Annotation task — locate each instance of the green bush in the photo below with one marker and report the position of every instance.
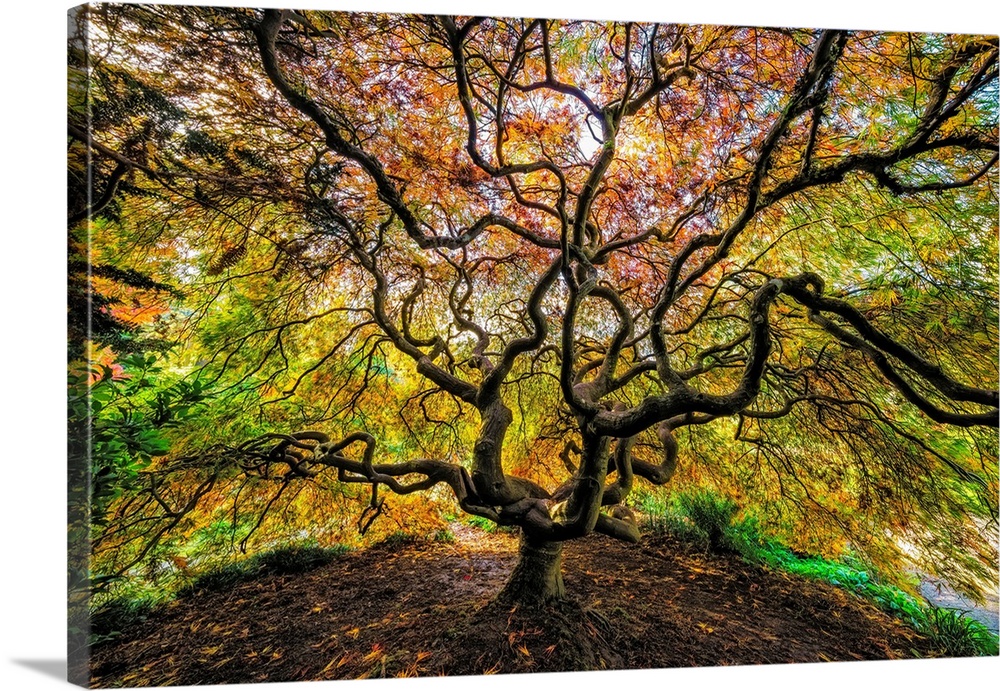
(709, 520)
(397, 539)
(114, 616)
(281, 561)
(294, 560)
(482, 523)
(443, 535)
(656, 517)
(220, 579)
(957, 635)
(711, 514)
(489, 526)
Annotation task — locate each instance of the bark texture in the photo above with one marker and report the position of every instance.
(537, 577)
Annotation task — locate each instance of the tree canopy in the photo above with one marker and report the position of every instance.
(529, 266)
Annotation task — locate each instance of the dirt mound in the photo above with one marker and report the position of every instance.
(424, 609)
(561, 637)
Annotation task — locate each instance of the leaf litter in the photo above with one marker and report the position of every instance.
(408, 610)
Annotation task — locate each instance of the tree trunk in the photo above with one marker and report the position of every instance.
(537, 577)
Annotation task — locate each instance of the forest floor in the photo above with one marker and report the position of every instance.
(423, 608)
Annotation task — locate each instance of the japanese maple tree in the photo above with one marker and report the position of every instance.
(529, 260)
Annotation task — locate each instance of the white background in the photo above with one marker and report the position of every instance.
(32, 333)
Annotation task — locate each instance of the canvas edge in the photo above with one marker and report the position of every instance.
(78, 477)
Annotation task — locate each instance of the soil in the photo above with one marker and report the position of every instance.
(425, 608)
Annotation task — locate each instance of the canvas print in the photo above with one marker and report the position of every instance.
(407, 345)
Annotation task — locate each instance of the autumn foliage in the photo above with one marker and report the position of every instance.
(529, 270)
